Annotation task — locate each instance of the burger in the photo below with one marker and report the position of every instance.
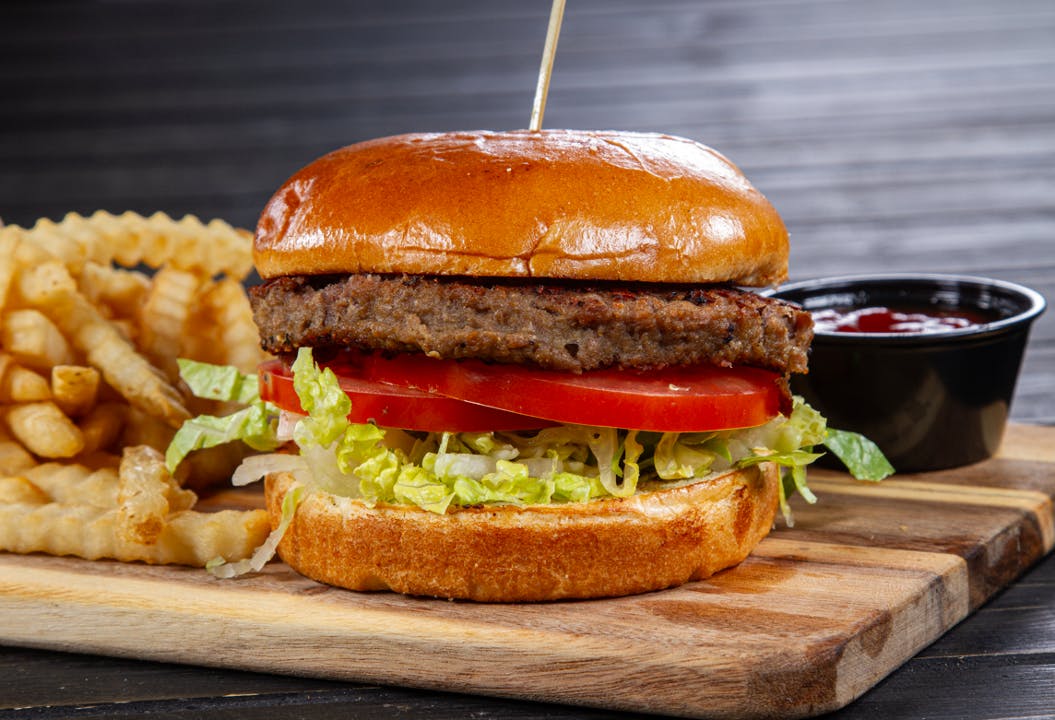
(519, 366)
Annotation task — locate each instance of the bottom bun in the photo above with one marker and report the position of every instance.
(507, 553)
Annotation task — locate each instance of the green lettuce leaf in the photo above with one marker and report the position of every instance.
(219, 382)
(358, 444)
(862, 457)
(377, 476)
(322, 399)
(255, 425)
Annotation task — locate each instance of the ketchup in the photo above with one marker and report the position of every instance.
(890, 320)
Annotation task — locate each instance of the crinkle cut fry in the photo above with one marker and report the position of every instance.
(164, 315)
(187, 538)
(69, 509)
(80, 279)
(130, 239)
(49, 287)
(229, 335)
(74, 484)
(148, 494)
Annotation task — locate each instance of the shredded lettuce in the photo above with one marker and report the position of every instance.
(219, 382)
(416, 486)
(322, 399)
(255, 424)
(790, 443)
(632, 450)
(604, 444)
(434, 471)
(793, 480)
(677, 457)
(260, 557)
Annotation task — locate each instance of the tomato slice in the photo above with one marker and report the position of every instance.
(392, 406)
(700, 398)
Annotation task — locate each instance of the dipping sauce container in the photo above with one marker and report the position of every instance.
(933, 391)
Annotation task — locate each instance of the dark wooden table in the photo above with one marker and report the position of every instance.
(891, 135)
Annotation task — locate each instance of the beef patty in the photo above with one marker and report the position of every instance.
(568, 326)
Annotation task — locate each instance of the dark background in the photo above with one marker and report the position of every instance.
(891, 135)
(900, 134)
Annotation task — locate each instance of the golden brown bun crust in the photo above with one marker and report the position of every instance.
(510, 554)
(551, 204)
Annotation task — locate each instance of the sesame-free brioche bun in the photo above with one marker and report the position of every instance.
(506, 553)
(564, 204)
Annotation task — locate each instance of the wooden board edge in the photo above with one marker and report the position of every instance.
(1023, 441)
(885, 642)
(228, 627)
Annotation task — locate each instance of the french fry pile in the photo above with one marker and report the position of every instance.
(89, 388)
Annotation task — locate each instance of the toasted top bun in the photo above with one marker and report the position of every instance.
(550, 204)
(506, 553)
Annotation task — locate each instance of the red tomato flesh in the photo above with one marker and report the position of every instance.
(392, 406)
(701, 398)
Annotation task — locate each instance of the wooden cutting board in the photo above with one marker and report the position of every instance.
(818, 615)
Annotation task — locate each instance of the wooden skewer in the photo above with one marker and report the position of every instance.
(556, 16)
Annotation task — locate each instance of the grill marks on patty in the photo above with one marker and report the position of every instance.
(567, 326)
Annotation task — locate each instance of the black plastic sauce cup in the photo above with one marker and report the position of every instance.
(929, 400)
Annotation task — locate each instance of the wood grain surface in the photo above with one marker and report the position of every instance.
(821, 612)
